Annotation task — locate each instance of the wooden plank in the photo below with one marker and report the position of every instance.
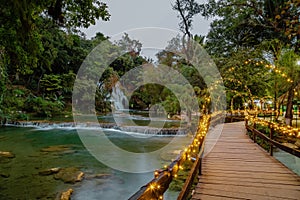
(251, 180)
(252, 170)
(242, 182)
(238, 191)
(233, 195)
(250, 175)
(211, 197)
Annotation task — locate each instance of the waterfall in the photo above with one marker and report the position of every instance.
(118, 98)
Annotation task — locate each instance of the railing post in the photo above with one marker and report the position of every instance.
(254, 133)
(271, 137)
(200, 165)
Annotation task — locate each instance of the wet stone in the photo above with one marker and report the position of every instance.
(57, 148)
(4, 175)
(69, 175)
(48, 172)
(66, 195)
(98, 176)
(6, 154)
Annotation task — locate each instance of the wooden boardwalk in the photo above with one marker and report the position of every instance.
(237, 168)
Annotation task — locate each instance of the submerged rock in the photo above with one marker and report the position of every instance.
(98, 176)
(4, 175)
(66, 195)
(57, 148)
(49, 171)
(6, 154)
(69, 175)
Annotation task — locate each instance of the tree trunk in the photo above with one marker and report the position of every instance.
(289, 107)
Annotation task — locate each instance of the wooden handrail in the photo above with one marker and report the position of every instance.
(287, 149)
(163, 177)
(157, 186)
(197, 166)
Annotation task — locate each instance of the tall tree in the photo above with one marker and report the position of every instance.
(21, 21)
(247, 24)
(241, 23)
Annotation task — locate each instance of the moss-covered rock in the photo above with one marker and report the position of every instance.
(69, 175)
(66, 195)
(57, 148)
(50, 171)
(6, 154)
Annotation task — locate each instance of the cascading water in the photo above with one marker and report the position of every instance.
(118, 98)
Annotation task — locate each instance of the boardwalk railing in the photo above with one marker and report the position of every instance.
(156, 188)
(269, 139)
(235, 115)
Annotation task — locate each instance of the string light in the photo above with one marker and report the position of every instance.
(273, 67)
(284, 129)
(152, 186)
(188, 152)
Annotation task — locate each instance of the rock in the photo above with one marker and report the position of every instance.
(102, 176)
(99, 176)
(79, 177)
(290, 145)
(57, 148)
(4, 175)
(67, 152)
(66, 195)
(49, 171)
(6, 154)
(69, 175)
(297, 143)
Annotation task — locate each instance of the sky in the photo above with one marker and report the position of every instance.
(131, 14)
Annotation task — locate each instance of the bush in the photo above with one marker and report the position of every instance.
(43, 107)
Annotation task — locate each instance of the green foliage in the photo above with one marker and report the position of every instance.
(41, 49)
(178, 182)
(26, 44)
(44, 107)
(251, 30)
(244, 24)
(51, 82)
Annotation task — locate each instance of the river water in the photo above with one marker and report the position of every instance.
(20, 177)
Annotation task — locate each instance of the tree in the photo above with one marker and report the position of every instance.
(186, 9)
(288, 59)
(241, 25)
(41, 49)
(22, 37)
